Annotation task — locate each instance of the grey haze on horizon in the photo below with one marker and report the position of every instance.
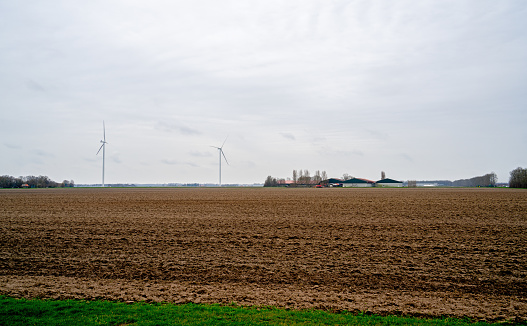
(422, 90)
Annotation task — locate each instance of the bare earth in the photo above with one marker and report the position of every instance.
(433, 252)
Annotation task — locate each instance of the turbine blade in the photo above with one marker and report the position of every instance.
(100, 149)
(224, 141)
(224, 156)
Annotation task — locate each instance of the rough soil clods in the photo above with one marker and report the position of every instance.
(458, 252)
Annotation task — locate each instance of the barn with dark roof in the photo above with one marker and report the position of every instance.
(333, 182)
(388, 183)
(358, 182)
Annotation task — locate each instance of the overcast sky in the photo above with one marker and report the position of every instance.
(422, 90)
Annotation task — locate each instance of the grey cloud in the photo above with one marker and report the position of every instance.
(12, 146)
(357, 153)
(176, 162)
(406, 157)
(170, 162)
(333, 152)
(34, 86)
(42, 153)
(376, 134)
(288, 135)
(92, 159)
(248, 164)
(200, 154)
(177, 128)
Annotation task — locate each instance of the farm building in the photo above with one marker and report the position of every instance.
(388, 183)
(358, 182)
(332, 182)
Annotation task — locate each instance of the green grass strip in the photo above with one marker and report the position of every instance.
(76, 312)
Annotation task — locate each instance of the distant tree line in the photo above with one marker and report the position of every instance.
(31, 181)
(487, 180)
(518, 178)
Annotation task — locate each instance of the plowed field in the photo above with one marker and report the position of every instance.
(458, 252)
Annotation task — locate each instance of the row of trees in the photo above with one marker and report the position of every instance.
(518, 178)
(300, 178)
(303, 177)
(487, 180)
(7, 181)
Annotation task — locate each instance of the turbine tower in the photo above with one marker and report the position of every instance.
(220, 151)
(103, 147)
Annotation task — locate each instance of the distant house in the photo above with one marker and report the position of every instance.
(388, 183)
(358, 182)
(25, 185)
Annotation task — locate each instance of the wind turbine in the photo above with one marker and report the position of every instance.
(220, 151)
(103, 147)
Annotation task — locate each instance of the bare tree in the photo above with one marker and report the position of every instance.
(493, 179)
(346, 176)
(490, 179)
(295, 176)
(324, 175)
(518, 178)
(317, 178)
(383, 175)
(307, 177)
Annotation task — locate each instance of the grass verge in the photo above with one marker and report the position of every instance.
(76, 312)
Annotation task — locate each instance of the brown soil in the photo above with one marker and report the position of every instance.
(457, 252)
